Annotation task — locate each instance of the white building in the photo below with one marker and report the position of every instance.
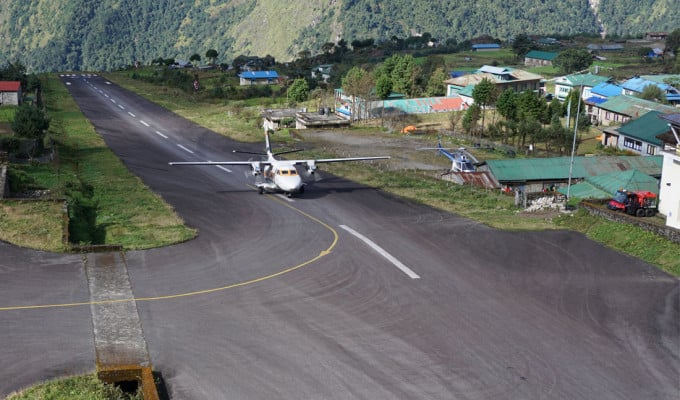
(669, 190)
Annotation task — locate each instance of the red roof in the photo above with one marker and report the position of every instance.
(10, 86)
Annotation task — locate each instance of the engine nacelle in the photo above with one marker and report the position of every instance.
(256, 168)
(311, 166)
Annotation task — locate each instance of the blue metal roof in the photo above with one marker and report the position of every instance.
(486, 46)
(606, 89)
(259, 75)
(595, 100)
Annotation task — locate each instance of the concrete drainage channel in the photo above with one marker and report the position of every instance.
(122, 355)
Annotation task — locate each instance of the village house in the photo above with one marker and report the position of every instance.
(656, 35)
(275, 119)
(486, 47)
(323, 119)
(583, 82)
(258, 78)
(637, 85)
(537, 58)
(503, 77)
(669, 188)
(533, 175)
(621, 109)
(10, 93)
(322, 71)
(639, 136)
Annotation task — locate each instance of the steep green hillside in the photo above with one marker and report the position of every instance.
(49, 35)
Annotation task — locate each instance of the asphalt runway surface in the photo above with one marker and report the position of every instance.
(344, 292)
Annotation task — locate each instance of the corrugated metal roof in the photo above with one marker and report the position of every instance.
(588, 79)
(595, 100)
(645, 128)
(661, 78)
(557, 168)
(607, 89)
(633, 106)
(486, 46)
(541, 55)
(674, 118)
(495, 70)
(604, 186)
(10, 86)
(259, 75)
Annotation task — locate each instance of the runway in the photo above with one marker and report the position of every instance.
(344, 292)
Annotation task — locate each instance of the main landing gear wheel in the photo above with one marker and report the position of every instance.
(260, 190)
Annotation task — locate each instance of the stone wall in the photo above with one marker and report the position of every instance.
(668, 232)
(4, 185)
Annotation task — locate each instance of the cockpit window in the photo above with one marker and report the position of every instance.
(287, 172)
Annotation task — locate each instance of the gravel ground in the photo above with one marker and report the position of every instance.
(402, 148)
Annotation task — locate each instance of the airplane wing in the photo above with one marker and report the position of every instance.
(255, 166)
(332, 160)
(310, 165)
(217, 162)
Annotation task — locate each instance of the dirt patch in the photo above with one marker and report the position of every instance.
(5, 128)
(403, 149)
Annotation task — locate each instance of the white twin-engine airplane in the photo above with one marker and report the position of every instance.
(279, 175)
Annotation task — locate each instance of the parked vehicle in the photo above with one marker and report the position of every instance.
(640, 203)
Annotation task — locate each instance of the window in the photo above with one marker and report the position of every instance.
(632, 144)
(651, 150)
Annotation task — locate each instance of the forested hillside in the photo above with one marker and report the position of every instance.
(53, 35)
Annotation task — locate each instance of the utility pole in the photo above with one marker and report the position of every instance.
(573, 143)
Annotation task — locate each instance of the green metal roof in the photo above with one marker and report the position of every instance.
(646, 128)
(604, 186)
(588, 79)
(633, 106)
(662, 78)
(585, 190)
(557, 168)
(467, 90)
(541, 55)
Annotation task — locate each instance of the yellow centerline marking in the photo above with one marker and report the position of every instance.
(322, 254)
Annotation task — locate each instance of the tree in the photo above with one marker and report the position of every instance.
(195, 57)
(521, 45)
(471, 117)
(383, 86)
(299, 90)
(436, 85)
(31, 123)
(530, 106)
(403, 73)
(211, 55)
(506, 105)
(357, 84)
(573, 60)
(673, 42)
(653, 93)
(484, 94)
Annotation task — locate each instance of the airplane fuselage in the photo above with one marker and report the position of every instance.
(282, 177)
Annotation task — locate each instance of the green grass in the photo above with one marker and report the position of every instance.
(127, 212)
(86, 387)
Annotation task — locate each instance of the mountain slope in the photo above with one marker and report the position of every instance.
(86, 35)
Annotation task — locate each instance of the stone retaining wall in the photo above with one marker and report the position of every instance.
(4, 185)
(668, 232)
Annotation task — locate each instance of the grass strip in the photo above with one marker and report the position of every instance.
(86, 387)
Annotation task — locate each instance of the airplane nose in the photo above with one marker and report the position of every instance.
(290, 183)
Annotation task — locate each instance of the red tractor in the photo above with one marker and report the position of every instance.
(640, 203)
